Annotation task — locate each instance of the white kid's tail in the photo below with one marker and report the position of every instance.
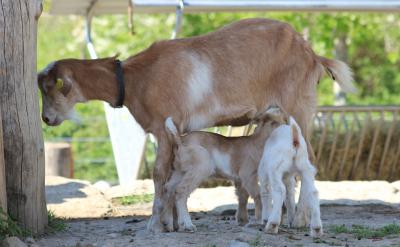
(296, 132)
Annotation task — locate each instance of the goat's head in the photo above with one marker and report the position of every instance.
(272, 118)
(59, 93)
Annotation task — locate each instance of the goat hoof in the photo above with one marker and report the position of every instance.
(241, 221)
(187, 228)
(272, 228)
(168, 227)
(316, 232)
(154, 226)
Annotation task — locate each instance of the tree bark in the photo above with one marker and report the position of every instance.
(3, 195)
(22, 133)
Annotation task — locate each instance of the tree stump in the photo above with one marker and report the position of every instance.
(19, 101)
(58, 159)
(3, 195)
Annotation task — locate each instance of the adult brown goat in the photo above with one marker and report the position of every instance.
(222, 78)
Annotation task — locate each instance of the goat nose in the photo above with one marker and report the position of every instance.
(45, 119)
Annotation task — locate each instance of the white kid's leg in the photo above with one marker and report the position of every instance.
(290, 202)
(266, 199)
(278, 191)
(302, 215)
(312, 199)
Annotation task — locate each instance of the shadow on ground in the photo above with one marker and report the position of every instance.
(56, 194)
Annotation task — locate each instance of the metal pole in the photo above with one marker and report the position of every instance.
(127, 137)
(88, 37)
(178, 21)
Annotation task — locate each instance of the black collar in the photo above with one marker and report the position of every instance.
(121, 84)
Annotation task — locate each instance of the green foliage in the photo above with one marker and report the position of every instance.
(55, 224)
(8, 227)
(134, 199)
(366, 232)
(372, 46)
(256, 242)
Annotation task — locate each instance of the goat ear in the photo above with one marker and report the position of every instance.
(273, 110)
(65, 85)
(115, 56)
(40, 81)
(46, 77)
(286, 118)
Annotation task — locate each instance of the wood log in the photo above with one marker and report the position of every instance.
(58, 159)
(3, 195)
(19, 101)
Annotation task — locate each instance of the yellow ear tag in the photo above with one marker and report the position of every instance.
(59, 83)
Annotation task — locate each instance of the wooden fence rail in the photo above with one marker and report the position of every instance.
(360, 142)
(350, 142)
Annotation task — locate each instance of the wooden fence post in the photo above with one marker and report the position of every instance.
(3, 195)
(19, 101)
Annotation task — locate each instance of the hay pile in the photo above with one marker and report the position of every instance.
(344, 165)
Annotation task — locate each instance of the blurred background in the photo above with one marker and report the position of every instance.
(368, 42)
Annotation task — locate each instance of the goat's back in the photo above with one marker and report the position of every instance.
(228, 76)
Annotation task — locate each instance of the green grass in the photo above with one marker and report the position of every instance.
(8, 227)
(55, 224)
(257, 242)
(134, 199)
(366, 232)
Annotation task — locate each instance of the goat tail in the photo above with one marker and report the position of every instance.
(295, 137)
(339, 72)
(173, 131)
(296, 132)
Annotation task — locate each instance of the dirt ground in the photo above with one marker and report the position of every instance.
(373, 204)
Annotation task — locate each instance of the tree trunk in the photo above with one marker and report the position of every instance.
(58, 159)
(22, 132)
(3, 195)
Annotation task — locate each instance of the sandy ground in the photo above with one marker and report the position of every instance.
(372, 204)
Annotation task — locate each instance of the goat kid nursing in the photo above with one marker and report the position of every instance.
(199, 155)
(226, 77)
(285, 155)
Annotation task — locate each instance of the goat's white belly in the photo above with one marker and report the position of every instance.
(202, 105)
(222, 163)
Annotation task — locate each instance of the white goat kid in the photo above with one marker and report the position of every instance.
(285, 155)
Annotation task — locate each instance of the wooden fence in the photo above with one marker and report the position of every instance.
(356, 143)
(350, 143)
